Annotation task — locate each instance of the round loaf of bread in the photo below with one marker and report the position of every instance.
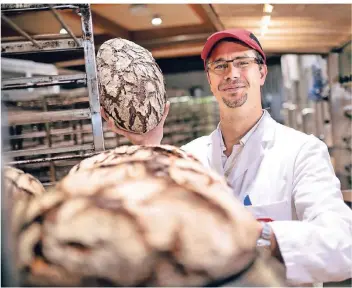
(151, 220)
(21, 188)
(21, 184)
(127, 153)
(131, 85)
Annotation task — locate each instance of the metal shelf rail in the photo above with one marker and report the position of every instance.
(47, 117)
(45, 43)
(26, 82)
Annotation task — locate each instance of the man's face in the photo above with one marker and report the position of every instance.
(236, 86)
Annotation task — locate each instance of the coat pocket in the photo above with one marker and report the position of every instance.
(280, 210)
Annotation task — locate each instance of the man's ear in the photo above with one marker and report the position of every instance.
(263, 70)
(208, 77)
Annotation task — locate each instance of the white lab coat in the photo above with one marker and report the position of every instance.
(288, 176)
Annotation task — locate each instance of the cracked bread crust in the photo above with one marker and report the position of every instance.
(131, 85)
(151, 219)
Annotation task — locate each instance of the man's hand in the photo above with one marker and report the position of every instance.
(274, 247)
(152, 137)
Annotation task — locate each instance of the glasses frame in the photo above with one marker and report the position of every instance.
(254, 60)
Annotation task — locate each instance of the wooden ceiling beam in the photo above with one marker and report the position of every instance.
(302, 41)
(109, 26)
(202, 14)
(279, 44)
(214, 18)
(344, 40)
(178, 50)
(322, 31)
(294, 29)
(144, 35)
(299, 50)
(283, 47)
(7, 31)
(172, 40)
(279, 22)
(296, 37)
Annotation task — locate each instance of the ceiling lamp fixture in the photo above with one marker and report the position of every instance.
(265, 24)
(266, 20)
(263, 30)
(139, 9)
(156, 20)
(63, 31)
(268, 8)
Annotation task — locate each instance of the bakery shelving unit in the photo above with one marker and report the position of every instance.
(47, 43)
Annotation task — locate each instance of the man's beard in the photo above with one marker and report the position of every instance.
(234, 103)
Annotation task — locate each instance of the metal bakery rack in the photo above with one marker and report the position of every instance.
(47, 43)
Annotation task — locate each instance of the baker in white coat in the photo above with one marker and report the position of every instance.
(280, 174)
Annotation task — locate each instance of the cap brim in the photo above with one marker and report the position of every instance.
(212, 40)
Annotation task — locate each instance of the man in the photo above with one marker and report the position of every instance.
(280, 174)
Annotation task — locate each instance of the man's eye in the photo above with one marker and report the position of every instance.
(243, 63)
(220, 66)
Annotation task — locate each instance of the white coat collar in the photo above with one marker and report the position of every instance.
(245, 138)
(252, 151)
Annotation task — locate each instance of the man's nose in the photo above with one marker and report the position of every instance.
(232, 72)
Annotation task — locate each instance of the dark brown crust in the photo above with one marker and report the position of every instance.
(143, 192)
(130, 99)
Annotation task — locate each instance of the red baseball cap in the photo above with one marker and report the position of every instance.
(243, 35)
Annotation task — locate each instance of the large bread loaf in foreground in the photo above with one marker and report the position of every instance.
(127, 153)
(131, 85)
(152, 217)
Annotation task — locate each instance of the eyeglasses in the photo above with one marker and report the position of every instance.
(221, 67)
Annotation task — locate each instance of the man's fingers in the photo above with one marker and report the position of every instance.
(111, 123)
(113, 128)
(166, 111)
(102, 113)
(117, 130)
(167, 108)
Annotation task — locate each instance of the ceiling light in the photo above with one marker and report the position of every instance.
(263, 30)
(63, 31)
(266, 20)
(268, 8)
(156, 20)
(139, 9)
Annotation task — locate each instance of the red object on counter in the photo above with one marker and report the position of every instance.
(265, 219)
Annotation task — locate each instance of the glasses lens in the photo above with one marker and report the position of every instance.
(242, 63)
(219, 67)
